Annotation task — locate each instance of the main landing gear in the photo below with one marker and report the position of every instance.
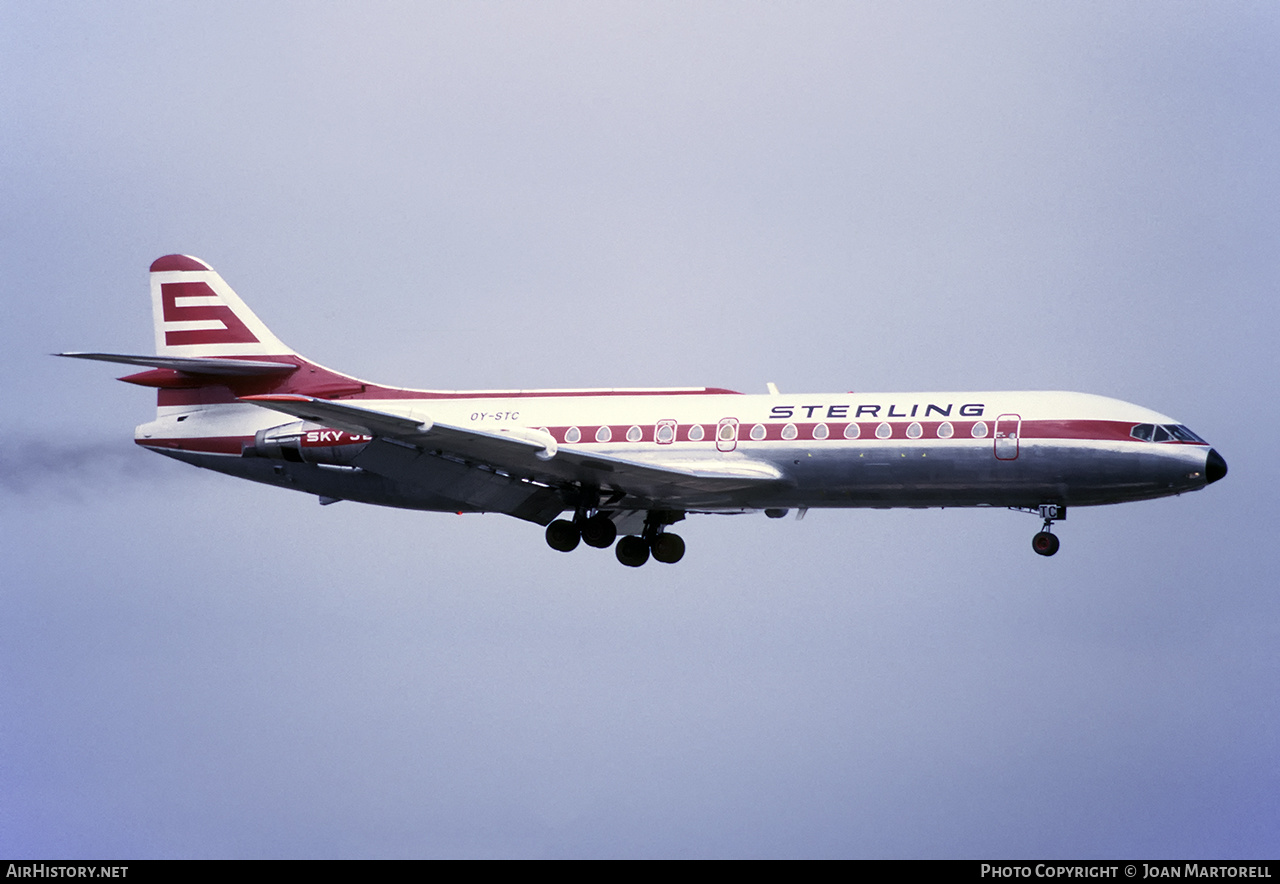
(1045, 542)
(633, 551)
(563, 535)
(599, 531)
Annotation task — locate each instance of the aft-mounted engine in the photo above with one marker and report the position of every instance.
(307, 442)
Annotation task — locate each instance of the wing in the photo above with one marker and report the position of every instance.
(410, 445)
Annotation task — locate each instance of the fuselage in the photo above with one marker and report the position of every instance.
(829, 450)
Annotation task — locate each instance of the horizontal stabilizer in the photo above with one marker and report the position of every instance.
(193, 364)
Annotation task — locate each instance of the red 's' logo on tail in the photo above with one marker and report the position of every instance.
(202, 308)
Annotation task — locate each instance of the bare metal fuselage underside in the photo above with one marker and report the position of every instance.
(859, 474)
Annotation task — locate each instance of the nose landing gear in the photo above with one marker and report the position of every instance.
(1046, 543)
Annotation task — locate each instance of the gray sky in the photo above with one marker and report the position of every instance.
(840, 196)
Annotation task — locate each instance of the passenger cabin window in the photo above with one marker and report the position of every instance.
(604, 434)
(758, 433)
(915, 431)
(573, 434)
(696, 433)
(852, 431)
(884, 431)
(979, 430)
(635, 434)
(789, 432)
(666, 433)
(945, 430)
(820, 431)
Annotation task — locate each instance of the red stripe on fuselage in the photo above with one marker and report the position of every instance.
(1085, 430)
(1074, 430)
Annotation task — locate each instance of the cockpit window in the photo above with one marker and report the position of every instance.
(1182, 434)
(1165, 433)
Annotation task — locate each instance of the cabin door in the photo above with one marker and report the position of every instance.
(1008, 429)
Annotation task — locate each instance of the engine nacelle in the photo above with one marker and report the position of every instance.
(307, 442)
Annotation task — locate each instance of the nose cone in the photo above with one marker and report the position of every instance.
(1214, 467)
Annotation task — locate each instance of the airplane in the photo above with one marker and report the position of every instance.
(598, 465)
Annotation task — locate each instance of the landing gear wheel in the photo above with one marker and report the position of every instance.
(563, 535)
(599, 531)
(632, 551)
(1044, 543)
(668, 548)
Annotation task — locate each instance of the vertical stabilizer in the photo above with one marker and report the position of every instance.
(197, 314)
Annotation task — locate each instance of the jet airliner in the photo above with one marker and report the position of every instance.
(596, 466)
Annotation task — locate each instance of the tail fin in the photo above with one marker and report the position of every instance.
(207, 341)
(197, 314)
